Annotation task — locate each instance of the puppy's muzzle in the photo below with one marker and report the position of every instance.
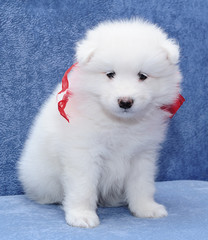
(125, 102)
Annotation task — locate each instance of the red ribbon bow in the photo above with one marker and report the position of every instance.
(67, 94)
(65, 88)
(175, 106)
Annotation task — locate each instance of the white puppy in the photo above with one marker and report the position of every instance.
(107, 153)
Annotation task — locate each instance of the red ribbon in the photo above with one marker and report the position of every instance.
(65, 87)
(174, 107)
(65, 99)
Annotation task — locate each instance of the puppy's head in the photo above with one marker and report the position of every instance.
(130, 66)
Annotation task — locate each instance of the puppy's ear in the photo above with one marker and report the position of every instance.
(84, 51)
(172, 49)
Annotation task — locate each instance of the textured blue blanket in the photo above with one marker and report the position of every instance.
(186, 202)
(36, 47)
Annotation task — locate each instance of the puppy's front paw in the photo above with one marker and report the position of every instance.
(84, 219)
(150, 210)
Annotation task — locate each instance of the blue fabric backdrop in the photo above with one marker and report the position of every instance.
(37, 41)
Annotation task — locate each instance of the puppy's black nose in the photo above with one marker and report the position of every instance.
(125, 102)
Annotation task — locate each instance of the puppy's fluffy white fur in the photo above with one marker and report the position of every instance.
(107, 154)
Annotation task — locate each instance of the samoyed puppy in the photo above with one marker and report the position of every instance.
(106, 155)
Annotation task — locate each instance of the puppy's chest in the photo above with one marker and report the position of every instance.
(118, 149)
(121, 143)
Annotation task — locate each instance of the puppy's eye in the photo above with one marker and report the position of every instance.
(110, 74)
(142, 76)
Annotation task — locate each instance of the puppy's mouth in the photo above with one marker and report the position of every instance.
(125, 113)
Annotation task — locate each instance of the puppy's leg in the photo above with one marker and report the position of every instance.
(140, 188)
(80, 188)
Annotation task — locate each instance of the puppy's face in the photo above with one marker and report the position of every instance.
(130, 67)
